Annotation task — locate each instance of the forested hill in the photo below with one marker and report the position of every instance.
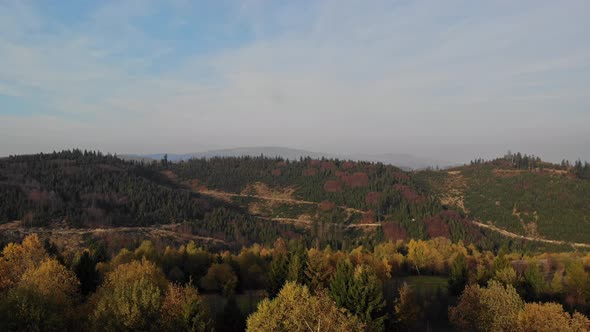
(242, 200)
(86, 188)
(522, 195)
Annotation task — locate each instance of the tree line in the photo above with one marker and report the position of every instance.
(170, 289)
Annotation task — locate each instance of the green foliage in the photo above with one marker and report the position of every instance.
(530, 202)
(494, 308)
(459, 275)
(277, 275)
(88, 187)
(130, 299)
(534, 282)
(318, 270)
(353, 182)
(360, 292)
(342, 284)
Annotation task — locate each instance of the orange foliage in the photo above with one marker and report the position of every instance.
(373, 198)
(328, 166)
(394, 231)
(332, 186)
(310, 172)
(368, 217)
(348, 165)
(327, 205)
(409, 194)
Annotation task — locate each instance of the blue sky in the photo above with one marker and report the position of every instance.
(451, 80)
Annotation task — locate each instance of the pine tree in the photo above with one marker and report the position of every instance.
(368, 294)
(342, 283)
(360, 292)
(85, 269)
(277, 275)
(458, 276)
(317, 270)
(296, 269)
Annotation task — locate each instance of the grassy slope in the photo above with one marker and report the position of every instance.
(533, 203)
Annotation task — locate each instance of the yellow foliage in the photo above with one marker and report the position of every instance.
(549, 317)
(18, 258)
(296, 310)
(130, 298)
(51, 279)
(182, 309)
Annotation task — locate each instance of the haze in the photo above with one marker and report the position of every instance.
(451, 80)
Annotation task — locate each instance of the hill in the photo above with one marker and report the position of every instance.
(521, 195)
(87, 190)
(234, 201)
(402, 160)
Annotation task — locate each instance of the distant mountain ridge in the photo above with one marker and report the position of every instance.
(402, 160)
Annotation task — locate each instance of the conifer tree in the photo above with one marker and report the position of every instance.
(459, 275)
(277, 275)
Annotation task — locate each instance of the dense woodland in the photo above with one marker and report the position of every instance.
(88, 189)
(530, 197)
(415, 285)
(420, 263)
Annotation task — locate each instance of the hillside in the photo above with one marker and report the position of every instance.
(540, 200)
(86, 190)
(234, 201)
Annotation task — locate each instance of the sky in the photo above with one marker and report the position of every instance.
(451, 80)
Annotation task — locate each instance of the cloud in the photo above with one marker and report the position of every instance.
(330, 75)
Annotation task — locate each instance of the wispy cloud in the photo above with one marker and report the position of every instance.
(428, 76)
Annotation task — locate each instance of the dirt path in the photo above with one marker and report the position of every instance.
(157, 231)
(456, 185)
(302, 222)
(221, 194)
(308, 222)
(517, 236)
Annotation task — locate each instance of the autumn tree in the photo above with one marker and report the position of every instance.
(183, 310)
(406, 308)
(18, 258)
(220, 277)
(296, 310)
(42, 300)
(493, 308)
(507, 276)
(549, 317)
(130, 298)
(577, 284)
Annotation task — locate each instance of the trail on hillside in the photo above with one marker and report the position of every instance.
(518, 236)
(455, 186)
(220, 194)
(309, 222)
(169, 230)
(297, 221)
